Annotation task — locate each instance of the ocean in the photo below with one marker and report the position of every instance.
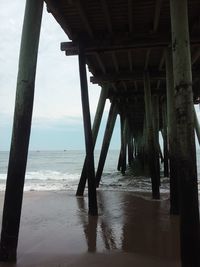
(60, 170)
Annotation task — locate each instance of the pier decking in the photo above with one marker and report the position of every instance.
(145, 55)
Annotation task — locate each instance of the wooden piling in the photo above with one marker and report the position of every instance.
(150, 139)
(92, 200)
(21, 130)
(95, 130)
(145, 135)
(155, 109)
(124, 148)
(165, 139)
(106, 141)
(186, 152)
(172, 135)
(122, 120)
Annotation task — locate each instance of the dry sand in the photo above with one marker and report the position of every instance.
(131, 230)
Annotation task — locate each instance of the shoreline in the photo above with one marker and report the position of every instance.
(130, 230)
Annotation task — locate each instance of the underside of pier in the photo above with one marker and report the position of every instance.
(145, 56)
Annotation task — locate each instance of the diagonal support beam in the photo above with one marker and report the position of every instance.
(106, 141)
(95, 130)
(92, 199)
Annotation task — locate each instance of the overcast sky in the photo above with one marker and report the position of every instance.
(57, 115)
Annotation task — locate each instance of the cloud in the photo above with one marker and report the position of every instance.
(57, 90)
(57, 112)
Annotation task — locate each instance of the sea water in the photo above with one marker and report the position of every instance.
(60, 170)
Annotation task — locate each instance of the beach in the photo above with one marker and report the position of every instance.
(131, 230)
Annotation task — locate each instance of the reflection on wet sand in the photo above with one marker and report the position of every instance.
(130, 230)
(89, 225)
(131, 224)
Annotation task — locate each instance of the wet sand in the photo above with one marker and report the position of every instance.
(131, 230)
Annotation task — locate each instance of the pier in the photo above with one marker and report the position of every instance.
(145, 56)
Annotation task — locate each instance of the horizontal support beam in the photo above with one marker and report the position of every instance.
(136, 75)
(121, 43)
(130, 95)
(127, 76)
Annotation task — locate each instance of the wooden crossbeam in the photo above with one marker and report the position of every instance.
(122, 44)
(137, 75)
(131, 94)
(158, 6)
(107, 15)
(127, 76)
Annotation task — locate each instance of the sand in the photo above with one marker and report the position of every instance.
(131, 230)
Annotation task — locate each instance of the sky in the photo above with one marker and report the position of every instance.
(57, 114)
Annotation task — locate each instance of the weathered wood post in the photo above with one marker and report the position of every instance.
(21, 130)
(155, 109)
(150, 139)
(106, 140)
(95, 130)
(145, 137)
(165, 139)
(122, 120)
(172, 135)
(186, 156)
(92, 199)
(124, 147)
